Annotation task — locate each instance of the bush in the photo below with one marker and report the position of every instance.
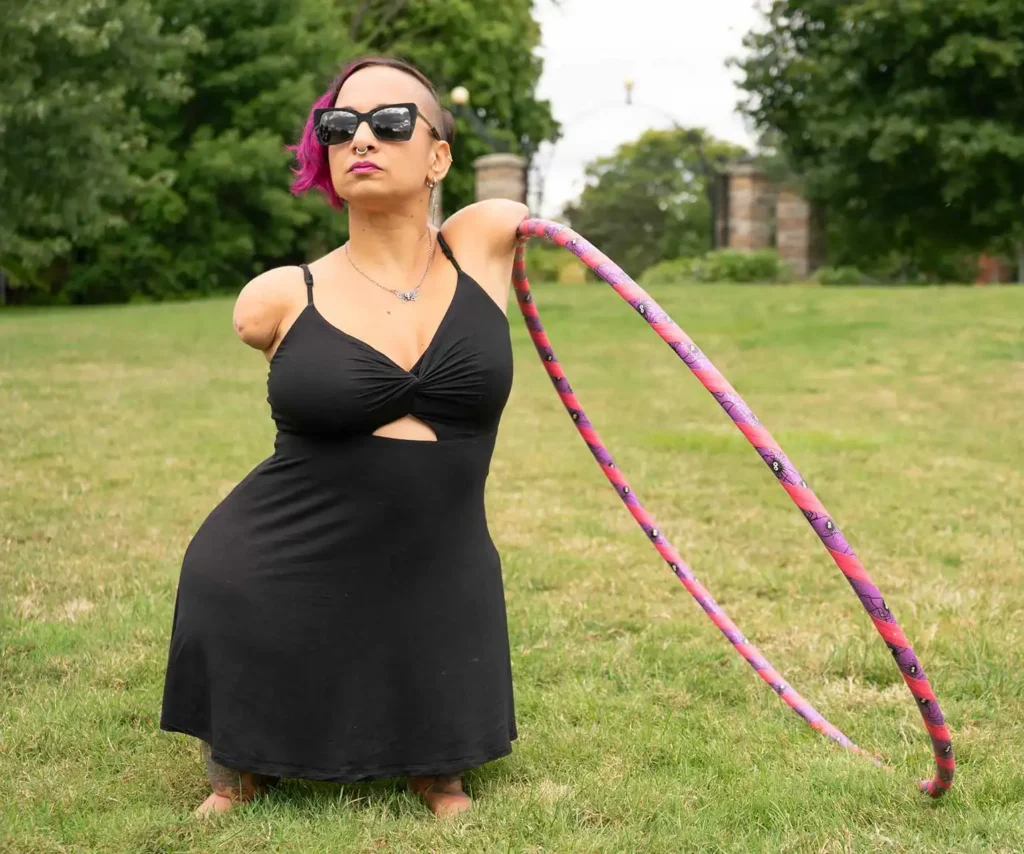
(841, 276)
(544, 262)
(668, 273)
(927, 268)
(575, 273)
(730, 265)
(724, 265)
(548, 264)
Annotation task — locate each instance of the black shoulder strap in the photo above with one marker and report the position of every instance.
(447, 252)
(308, 278)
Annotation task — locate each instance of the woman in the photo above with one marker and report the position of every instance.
(340, 615)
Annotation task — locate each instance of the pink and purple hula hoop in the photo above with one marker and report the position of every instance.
(781, 466)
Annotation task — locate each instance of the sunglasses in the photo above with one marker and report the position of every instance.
(389, 123)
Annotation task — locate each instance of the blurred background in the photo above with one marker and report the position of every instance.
(142, 142)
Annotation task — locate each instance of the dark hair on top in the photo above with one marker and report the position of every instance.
(313, 171)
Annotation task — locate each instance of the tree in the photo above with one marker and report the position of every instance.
(488, 46)
(648, 201)
(71, 72)
(181, 111)
(906, 119)
(212, 205)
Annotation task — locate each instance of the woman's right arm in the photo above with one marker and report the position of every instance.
(263, 304)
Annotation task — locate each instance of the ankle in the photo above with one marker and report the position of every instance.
(448, 784)
(241, 789)
(420, 785)
(442, 794)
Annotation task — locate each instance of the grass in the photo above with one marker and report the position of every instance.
(641, 730)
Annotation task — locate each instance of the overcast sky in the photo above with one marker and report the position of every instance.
(675, 52)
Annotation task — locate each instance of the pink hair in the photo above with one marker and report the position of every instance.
(313, 171)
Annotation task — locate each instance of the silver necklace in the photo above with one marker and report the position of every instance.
(404, 296)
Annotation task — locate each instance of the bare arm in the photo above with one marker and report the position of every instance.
(483, 238)
(264, 306)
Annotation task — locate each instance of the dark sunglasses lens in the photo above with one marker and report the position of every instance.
(392, 124)
(336, 126)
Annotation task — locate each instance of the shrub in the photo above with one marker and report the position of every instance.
(668, 273)
(544, 262)
(730, 265)
(929, 268)
(724, 265)
(573, 272)
(841, 276)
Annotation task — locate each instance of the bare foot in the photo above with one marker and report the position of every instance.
(443, 795)
(227, 797)
(214, 805)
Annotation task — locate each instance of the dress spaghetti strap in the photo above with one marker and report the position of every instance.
(307, 277)
(448, 252)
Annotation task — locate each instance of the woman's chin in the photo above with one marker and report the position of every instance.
(373, 194)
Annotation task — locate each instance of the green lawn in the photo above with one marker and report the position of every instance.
(641, 729)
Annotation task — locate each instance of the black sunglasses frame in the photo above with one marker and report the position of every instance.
(414, 113)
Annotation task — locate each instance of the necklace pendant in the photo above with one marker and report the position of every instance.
(407, 296)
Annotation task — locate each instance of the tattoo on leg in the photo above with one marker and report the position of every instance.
(226, 782)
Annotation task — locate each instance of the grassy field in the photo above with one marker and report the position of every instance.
(641, 730)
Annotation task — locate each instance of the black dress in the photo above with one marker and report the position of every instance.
(340, 615)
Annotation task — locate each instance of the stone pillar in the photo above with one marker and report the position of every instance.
(799, 232)
(721, 190)
(500, 176)
(750, 208)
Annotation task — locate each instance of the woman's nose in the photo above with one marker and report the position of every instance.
(364, 137)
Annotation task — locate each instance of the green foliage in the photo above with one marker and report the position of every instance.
(212, 205)
(72, 73)
(900, 268)
(674, 271)
(938, 267)
(729, 265)
(178, 112)
(724, 266)
(906, 118)
(488, 46)
(545, 262)
(841, 276)
(648, 201)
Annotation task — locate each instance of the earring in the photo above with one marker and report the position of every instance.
(433, 200)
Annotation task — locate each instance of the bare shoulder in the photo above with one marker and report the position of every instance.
(490, 225)
(483, 238)
(265, 303)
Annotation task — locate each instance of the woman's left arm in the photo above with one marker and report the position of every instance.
(483, 239)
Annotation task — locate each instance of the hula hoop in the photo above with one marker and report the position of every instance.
(781, 466)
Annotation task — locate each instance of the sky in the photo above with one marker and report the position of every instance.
(673, 50)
